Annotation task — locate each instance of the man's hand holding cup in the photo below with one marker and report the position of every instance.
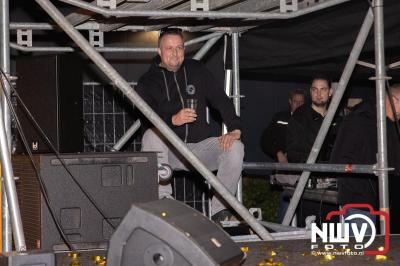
(187, 114)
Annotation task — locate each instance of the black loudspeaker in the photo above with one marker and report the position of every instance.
(51, 88)
(28, 259)
(113, 180)
(168, 232)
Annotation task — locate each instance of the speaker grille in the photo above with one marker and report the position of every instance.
(29, 199)
(128, 178)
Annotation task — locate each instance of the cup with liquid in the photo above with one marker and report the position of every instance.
(191, 103)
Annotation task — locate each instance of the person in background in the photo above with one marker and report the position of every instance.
(273, 140)
(356, 143)
(306, 121)
(273, 143)
(302, 131)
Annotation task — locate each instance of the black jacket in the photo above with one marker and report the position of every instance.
(356, 144)
(393, 144)
(273, 138)
(301, 133)
(166, 93)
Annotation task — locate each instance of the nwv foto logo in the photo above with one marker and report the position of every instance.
(337, 235)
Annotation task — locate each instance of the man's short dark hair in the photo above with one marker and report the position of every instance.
(296, 92)
(320, 76)
(169, 31)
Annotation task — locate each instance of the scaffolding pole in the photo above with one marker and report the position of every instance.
(344, 79)
(5, 66)
(315, 167)
(70, 49)
(85, 26)
(153, 117)
(11, 191)
(128, 134)
(212, 39)
(206, 47)
(380, 80)
(236, 94)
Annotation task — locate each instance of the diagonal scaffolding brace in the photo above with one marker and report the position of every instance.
(152, 116)
(344, 79)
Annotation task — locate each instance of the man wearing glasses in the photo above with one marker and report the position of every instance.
(179, 90)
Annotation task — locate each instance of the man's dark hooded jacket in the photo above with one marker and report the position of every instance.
(356, 143)
(166, 93)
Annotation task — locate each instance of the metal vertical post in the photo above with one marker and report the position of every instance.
(11, 191)
(344, 79)
(235, 68)
(236, 93)
(132, 95)
(228, 91)
(5, 66)
(380, 79)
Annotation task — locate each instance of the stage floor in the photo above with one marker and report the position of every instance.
(274, 253)
(298, 252)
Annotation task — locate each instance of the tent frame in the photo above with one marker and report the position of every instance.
(374, 15)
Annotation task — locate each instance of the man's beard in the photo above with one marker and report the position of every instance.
(173, 68)
(320, 104)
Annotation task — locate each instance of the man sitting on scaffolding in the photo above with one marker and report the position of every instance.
(179, 90)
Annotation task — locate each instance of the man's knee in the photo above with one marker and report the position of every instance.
(236, 152)
(152, 140)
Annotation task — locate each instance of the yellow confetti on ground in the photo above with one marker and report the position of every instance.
(381, 258)
(329, 257)
(269, 263)
(244, 249)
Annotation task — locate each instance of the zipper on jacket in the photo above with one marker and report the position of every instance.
(166, 85)
(183, 106)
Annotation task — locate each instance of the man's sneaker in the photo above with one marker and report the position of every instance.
(223, 215)
(166, 196)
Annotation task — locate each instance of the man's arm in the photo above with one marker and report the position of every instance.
(345, 148)
(227, 139)
(218, 99)
(295, 142)
(272, 141)
(144, 90)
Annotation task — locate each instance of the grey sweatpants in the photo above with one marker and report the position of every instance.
(228, 163)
